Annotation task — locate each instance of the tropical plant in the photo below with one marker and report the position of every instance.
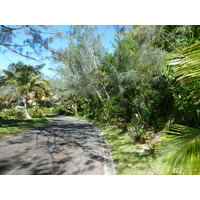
(26, 84)
(12, 113)
(182, 149)
(188, 67)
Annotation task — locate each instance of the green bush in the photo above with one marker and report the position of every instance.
(137, 134)
(60, 111)
(36, 112)
(1, 119)
(12, 113)
(55, 111)
(47, 111)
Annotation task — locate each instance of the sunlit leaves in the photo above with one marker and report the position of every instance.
(25, 80)
(181, 150)
(188, 64)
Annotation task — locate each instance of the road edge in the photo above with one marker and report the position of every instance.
(109, 165)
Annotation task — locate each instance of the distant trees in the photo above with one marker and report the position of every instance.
(25, 83)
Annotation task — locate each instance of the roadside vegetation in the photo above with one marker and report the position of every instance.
(130, 157)
(144, 95)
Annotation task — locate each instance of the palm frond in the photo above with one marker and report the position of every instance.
(10, 97)
(188, 64)
(181, 152)
(8, 73)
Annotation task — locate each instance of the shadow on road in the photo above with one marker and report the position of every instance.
(64, 146)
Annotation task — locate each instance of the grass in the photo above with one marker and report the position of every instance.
(12, 126)
(127, 154)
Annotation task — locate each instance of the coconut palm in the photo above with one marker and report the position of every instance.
(182, 149)
(188, 68)
(26, 83)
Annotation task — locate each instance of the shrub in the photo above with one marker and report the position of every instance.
(55, 111)
(47, 111)
(12, 113)
(36, 112)
(60, 111)
(1, 119)
(137, 134)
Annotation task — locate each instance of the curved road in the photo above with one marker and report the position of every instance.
(64, 146)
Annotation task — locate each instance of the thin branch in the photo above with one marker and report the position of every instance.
(14, 51)
(99, 76)
(167, 40)
(165, 80)
(38, 31)
(42, 43)
(13, 29)
(13, 45)
(6, 57)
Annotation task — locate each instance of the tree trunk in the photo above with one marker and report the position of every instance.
(99, 95)
(108, 96)
(99, 76)
(75, 109)
(26, 109)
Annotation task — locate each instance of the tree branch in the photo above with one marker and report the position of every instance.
(14, 51)
(13, 29)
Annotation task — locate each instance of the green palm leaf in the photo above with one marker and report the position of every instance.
(188, 65)
(27, 83)
(181, 152)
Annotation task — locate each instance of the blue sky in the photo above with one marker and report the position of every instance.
(9, 57)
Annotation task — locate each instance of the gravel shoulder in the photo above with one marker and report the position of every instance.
(66, 146)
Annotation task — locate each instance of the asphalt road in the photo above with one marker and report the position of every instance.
(65, 146)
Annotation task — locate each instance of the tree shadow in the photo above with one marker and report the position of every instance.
(60, 147)
(26, 124)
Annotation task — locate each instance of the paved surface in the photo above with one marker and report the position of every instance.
(64, 146)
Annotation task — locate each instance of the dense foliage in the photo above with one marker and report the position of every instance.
(148, 87)
(142, 87)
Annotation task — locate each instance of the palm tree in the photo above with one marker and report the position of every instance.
(182, 149)
(26, 83)
(188, 68)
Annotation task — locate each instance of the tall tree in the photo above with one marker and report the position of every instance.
(82, 59)
(26, 83)
(134, 69)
